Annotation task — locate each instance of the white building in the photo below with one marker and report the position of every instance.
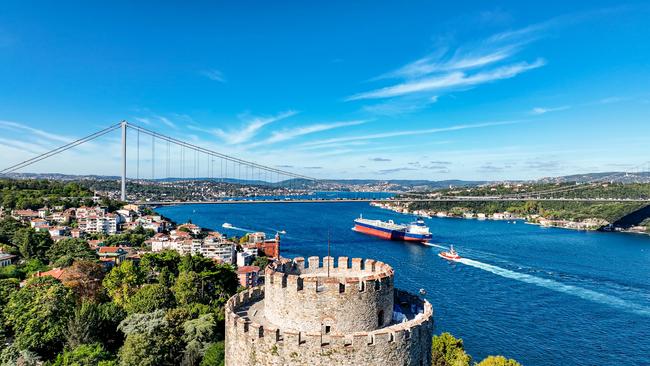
(106, 224)
(244, 259)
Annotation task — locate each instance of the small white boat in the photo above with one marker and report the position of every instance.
(226, 225)
(451, 255)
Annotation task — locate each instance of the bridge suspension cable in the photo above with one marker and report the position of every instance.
(234, 160)
(59, 149)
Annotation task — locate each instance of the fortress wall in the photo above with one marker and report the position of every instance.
(356, 297)
(249, 343)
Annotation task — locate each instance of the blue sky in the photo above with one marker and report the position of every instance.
(364, 89)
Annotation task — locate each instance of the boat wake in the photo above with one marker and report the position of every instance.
(239, 229)
(434, 245)
(560, 287)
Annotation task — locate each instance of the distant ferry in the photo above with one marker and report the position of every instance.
(416, 231)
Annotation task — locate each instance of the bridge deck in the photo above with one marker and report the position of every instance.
(344, 200)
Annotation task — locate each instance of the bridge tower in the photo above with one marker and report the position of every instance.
(123, 187)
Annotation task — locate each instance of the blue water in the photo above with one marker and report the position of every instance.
(327, 195)
(544, 296)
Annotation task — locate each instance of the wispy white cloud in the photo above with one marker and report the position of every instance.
(283, 135)
(459, 61)
(22, 147)
(15, 126)
(411, 132)
(214, 74)
(250, 129)
(456, 79)
(146, 121)
(166, 121)
(399, 106)
(450, 68)
(543, 110)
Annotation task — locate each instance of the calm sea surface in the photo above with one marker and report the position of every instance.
(543, 296)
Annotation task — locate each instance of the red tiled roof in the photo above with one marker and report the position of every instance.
(248, 269)
(109, 249)
(56, 273)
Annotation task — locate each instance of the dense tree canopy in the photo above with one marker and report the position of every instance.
(149, 298)
(85, 355)
(214, 355)
(38, 314)
(65, 251)
(498, 361)
(446, 350)
(84, 277)
(32, 244)
(123, 281)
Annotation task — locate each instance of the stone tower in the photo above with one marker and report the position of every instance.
(321, 314)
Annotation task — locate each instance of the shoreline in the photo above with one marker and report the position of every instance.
(586, 225)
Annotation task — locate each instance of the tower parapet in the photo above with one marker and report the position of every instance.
(303, 316)
(347, 298)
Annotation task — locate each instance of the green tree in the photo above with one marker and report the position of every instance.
(7, 288)
(219, 284)
(94, 323)
(187, 288)
(153, 338)
(150, 298)
(142, 350)
(84, 277)
(12, 356)
(32, 244)
(11, 271)
(214, 355)
(32, 266)
(65, 251)
(198, 335)
(153, 263)
(8, 227)
(122, 282)
(196, 263)
(446, 350)
(261, 261)
(498, 361)
(83, 355)
(39, 313)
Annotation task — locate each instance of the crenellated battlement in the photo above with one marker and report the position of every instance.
(302, 314)
(400, 332)
(343, 276)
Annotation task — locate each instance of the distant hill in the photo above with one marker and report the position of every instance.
(615, 177)
(388, 184)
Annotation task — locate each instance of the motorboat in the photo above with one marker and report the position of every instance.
(451, 255)
(226, 225)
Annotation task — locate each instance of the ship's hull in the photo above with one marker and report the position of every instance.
(389, 234)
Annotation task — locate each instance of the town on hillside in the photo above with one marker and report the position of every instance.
(132, 231)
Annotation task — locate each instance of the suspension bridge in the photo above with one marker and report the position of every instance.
(156, 157)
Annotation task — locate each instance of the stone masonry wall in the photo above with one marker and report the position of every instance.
(356, 298)
(249, 343)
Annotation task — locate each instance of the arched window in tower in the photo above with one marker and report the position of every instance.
(380, 318)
